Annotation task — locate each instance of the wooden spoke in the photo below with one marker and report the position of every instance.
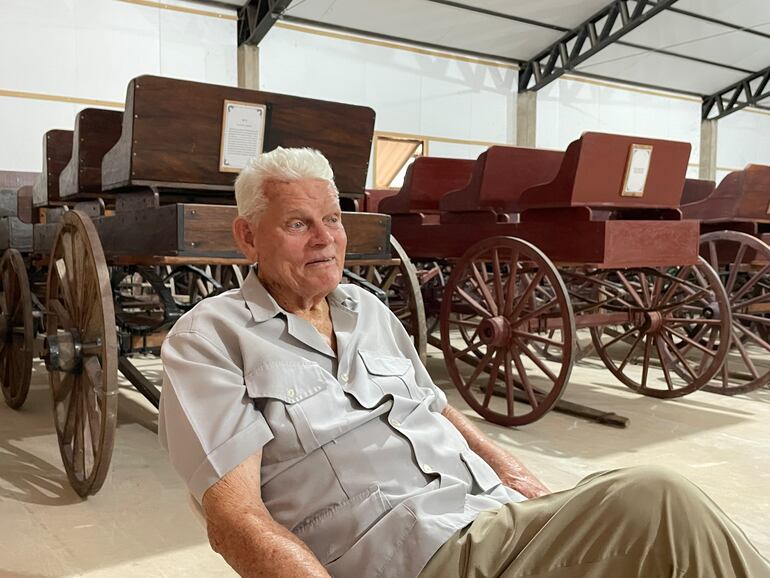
(400, 283)
(504, 284)
(686, 313)
(490, 387)
(484, 289)
(543, 367)
(746, 283)
(79, 303)
(17, 347)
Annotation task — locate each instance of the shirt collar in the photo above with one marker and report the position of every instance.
(264, 307)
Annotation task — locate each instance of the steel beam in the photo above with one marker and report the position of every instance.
(602, 29)
(746, 92)
(257, 17)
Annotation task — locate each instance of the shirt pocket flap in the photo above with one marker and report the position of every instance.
(378, 364)
(484, 476)
(287, 382)
(331, 532)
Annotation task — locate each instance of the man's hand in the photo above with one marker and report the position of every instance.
(244, 533)
(511, 471)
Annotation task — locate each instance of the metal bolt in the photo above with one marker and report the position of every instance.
(192, 243)
(193, 212)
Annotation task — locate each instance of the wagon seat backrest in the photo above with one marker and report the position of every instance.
(696, 191)
(96, 131)
(57, 152)
(741, 196)
(171, 137)
(590, 181)
(426, 181)
(500, 175)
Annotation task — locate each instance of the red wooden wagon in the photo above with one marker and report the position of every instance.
(541, 244)
(735, 229)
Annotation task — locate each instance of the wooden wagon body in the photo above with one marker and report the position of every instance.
(543, 243)
(131, 221)
(735, 231)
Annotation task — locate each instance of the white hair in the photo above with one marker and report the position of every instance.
(278, 165)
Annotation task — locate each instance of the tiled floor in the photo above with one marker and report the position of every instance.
(140, 524)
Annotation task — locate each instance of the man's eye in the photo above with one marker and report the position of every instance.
(296, 225)
(334, 219)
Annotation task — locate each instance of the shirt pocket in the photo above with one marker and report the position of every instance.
(393, 375)
(282, 393)
(332, 531)
(482, 473)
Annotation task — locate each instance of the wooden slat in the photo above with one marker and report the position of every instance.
(172, 129)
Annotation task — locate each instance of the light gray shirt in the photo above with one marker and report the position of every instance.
(357, 459)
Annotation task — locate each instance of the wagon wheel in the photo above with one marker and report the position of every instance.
(745, 274)
(82, 353)
(190, 284)
(679, 321)
(17, 328)
(489, 293)
(401, 290)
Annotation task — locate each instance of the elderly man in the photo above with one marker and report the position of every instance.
(298, 413)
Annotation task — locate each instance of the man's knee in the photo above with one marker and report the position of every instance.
(644, 487)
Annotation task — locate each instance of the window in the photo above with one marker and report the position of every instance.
(392, 156)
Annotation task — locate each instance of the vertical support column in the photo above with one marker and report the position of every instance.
(248, 66)
(526, 119)
(708, 150)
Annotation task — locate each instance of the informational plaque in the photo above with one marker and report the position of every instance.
(243, 134)
(637, 167)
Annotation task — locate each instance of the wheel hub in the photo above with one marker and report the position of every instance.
(64, 352)
(653, 322)
(495, 331)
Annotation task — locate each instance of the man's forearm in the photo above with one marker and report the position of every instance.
(511, 471)
(257, 546)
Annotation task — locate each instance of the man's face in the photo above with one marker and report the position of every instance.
(300, 240)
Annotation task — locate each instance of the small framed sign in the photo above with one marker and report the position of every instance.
(243, 134)
(637, 167)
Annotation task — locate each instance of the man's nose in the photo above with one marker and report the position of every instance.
(321, 235)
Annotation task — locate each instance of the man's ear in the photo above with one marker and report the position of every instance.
(244, 236)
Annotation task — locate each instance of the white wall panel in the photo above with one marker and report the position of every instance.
(411, 92)
(24, 122)
(200, 48)
(116, 42)
(567, 108)
(455, 151)
(742, 138)
(37, 46)
(90, 49)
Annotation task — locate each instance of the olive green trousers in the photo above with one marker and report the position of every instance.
(642, 521)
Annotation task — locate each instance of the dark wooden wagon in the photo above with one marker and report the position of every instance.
(541, 244)
(735, 230)
(140, 230)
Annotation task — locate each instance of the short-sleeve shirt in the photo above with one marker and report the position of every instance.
(357, 459)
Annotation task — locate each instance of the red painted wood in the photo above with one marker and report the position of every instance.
(742, 195)
(499, 177)
(594, 169)
(426, 181)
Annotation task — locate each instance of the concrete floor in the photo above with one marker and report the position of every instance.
(140, 524)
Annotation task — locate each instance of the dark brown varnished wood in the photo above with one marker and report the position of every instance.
(57, 151)
(198, 230)
(16, 179)
(96, 132)
(172, 129)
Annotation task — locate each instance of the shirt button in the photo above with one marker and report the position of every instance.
(344, 377)
(290, 393)
(395, 423)
(427, 468)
